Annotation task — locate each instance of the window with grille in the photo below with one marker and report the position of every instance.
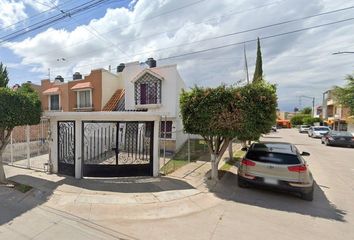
(148, 90)
(168, 129)
(84, 99)
(54, 102)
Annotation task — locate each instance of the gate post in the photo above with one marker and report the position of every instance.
(53, 144)
(28, 146)
(78, 149)
(156, 148)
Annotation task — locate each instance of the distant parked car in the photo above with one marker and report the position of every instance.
(338, 138)
(304, 128)
(276, 165)
(318, 131)
(273, 129)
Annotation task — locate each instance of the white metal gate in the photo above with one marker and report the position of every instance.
(28, 146)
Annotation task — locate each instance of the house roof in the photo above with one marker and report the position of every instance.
(112, 103)
(150, 71)
(83, 85)
(52, 90)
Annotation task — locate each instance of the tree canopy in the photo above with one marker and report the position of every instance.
(4, 79)
(22, 107)
(223, 113)
(306, 110)
(345, 95)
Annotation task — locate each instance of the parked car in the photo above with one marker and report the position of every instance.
(304, 128)
(318, 131)
(273, 129)
(338, 138)
(276, 165)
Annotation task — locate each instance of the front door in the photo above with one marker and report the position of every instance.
(66, 148)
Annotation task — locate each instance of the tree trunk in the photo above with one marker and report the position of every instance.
(231, 155)
(214, 167)
(2, 171)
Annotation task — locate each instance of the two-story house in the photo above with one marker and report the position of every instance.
(335, 115)
(152, 88)
(89, 93)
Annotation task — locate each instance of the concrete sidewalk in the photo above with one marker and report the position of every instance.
(118, 198)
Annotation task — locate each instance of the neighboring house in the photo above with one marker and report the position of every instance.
(335, 115)
(90, 93)
(155, 89)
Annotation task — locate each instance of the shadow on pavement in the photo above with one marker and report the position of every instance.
(228, 189)
(14, 203)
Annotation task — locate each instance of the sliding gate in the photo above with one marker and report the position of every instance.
(117, 149)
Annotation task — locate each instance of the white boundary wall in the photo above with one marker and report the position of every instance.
(78, 117)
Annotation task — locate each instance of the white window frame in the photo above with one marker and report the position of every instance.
(78, 97)
(50, 103)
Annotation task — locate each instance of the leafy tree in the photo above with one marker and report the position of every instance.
(223, 113)
(306, 110)
(311, 120)
(258, 72)
(17, 108)
(345, 95)
(298, 119)
(4, 79)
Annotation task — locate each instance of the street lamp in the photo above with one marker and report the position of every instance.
(313, 104)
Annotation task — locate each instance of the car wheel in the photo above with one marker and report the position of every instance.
(327, 143)
(322, 142)
(242, 183)
(307, 196)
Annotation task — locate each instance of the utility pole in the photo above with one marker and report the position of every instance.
(313, 103)
(246, 64)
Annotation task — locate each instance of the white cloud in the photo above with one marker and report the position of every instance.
(298, 63)
(11, 11)
(41, 5)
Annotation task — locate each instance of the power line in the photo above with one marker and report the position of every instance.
(234, 44)
(155, 34)
(51, 20)
(34, 16)
(225, 35)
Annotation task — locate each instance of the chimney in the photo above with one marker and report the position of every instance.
(77, 76)
(151, 62)
(121, 67)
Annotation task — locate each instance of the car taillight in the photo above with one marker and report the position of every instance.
(248, 162)
(299, 168)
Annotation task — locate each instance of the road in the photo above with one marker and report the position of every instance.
(239, 213)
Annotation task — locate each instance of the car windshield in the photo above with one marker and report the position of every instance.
(338, 133)
(272, 157)
(321, 129)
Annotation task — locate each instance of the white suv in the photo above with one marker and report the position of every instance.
(318, 131)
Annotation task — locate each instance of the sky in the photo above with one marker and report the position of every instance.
(203, 37)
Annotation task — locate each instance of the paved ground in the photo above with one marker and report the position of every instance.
(206, 212)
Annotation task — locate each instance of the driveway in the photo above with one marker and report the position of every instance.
(223, 212)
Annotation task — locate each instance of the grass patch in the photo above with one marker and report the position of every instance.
(22, 187)
(173, 165)
(229, 163)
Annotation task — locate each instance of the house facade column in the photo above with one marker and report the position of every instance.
(156, 150)
(78, 149)
(53, 158)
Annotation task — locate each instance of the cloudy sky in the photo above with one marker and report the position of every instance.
(204, 37)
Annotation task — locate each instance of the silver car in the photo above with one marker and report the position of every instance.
(304, 128)
(277, 165)
(318, 131)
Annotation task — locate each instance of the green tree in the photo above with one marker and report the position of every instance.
(17, 108)
(345, 95)
(4, 79)
(221, 114)
(298, 119)
(258, 72)
(306, 110)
